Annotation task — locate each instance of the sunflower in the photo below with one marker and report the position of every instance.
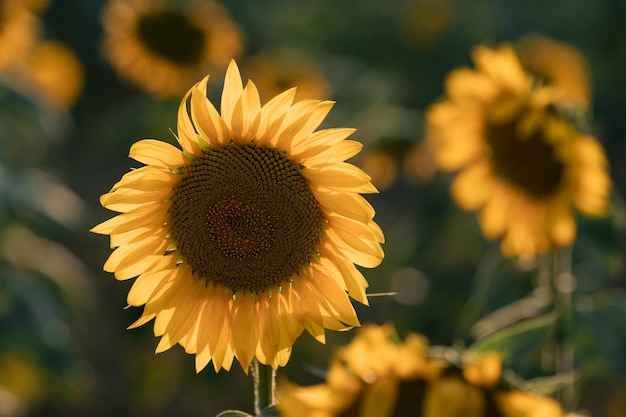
(371, 376)
(376, 376)
(559, 65)
(52, 72)
(18, 28)
(522, 164)
(164, 48)
(250, 234)
(278, 71)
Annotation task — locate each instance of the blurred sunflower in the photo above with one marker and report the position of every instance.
(559, 65)
(381, 166)
(522, 164)
(36, 5)
(249, 235)
(164, 47)
(52, 72)
(276, 72)
(18, 28)
(374, 376)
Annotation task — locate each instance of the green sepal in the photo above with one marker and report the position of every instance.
(203, 143)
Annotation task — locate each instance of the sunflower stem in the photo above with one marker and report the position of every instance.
(564, 285)
(264, 377)
(559, 353)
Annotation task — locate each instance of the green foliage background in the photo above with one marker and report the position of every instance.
(63, 347)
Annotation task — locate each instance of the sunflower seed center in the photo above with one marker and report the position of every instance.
(172, 36)
(245, 217)
(528, 162)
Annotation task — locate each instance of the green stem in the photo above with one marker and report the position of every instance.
(264, 377)
(555, 274)
(564, 287)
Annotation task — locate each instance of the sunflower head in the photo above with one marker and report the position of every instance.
(52, 72)
(378, 375)
(523, 165)
(175, 43)
(275, 72)
(250, 233)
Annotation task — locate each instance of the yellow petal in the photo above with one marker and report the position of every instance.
(245, 334)
(210, 125)
(245, 122)
(124, 200)
(337, 176)
(451, 396)
(355, 282)
(369, 254)
(349, 205)
(332, 296)
(472, 187)
(146, 215)
(186, 132)
(295, 120)
(269, 333)
(351, 254)
(147, 178)
(466, 84)
(145, 285)
(326, 137)
(272, 115)
(338, 153)
(233, 88)
(158, 153)
(379, 399)
(314, 119)
(129, 258)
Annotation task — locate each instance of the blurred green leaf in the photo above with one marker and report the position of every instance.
(547, 385)
(602, 319)
(518, 339)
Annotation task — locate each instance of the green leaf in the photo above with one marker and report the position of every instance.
(233, 413)
(548, 385)
(516, 340)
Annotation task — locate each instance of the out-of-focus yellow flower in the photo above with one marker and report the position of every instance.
(18, 29)
(52, 72)
(370, 377)
(374, 376)
(558, 65)
(526, 404)
(450, 396)
(276, 72)
(484, 370)
(165, 47)
(381, 166)
(424, 21)
(522, 165)
(36, 5)
(419, 164)
(22, 384)
(250, 233)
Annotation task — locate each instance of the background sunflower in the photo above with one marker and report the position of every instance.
(164, 47)
(385, 63)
